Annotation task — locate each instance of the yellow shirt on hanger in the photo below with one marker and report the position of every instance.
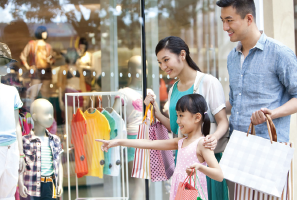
(97, 128)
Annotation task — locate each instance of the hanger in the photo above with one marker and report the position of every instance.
(100, 108)
(91, 108)
(109, 109)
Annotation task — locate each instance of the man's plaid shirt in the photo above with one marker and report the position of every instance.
(32, 151)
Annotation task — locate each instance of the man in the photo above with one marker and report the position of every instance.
(11, 145)
(262, 73)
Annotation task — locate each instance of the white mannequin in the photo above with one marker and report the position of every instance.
(3, 72)
(134, 68)
(42, 114)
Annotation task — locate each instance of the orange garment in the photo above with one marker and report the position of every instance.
(78, 130)
(163, 91)
(97, 128)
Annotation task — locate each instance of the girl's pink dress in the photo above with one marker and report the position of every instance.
(186, 157)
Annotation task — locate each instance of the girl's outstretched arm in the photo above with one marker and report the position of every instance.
(213, 170)
(171, 144)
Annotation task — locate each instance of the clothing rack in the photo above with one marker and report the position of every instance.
(125, 183)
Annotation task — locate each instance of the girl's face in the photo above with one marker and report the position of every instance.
(170, 63)
(187, 121)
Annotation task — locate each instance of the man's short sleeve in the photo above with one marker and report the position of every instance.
(287, 70)
(17, 101)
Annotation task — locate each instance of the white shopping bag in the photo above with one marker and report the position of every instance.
(257, 163)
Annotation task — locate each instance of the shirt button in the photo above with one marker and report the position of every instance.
(237, 112)
(239, 94)
(241, 75)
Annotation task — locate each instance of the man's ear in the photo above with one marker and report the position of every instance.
(250, 19)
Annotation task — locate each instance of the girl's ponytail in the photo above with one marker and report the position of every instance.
(206, 124)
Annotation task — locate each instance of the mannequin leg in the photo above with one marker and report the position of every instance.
(136, 185)
(9, 171)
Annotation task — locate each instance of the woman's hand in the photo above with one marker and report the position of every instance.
(149, 99)
(210, 142)
(192, 169)
(107, 144)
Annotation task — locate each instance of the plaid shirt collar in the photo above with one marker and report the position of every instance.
(32, 136)
(32, 151)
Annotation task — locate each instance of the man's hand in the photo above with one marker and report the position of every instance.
(210, 142)
(22, 165)
(258, 117)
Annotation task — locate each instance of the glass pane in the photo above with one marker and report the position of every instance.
(91, 45)
(198, 24)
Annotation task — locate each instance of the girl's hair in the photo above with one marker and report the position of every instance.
(195, 103)
(176, 45)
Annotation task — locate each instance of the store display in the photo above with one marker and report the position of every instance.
(43, 175)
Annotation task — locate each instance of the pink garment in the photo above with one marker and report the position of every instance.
(187, 156)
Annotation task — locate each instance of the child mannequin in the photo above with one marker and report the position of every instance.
(43, 177)
(11, 147)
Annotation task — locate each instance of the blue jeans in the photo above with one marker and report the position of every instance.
(46, 192)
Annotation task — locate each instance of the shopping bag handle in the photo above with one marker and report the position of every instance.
(270, 127)
(150, 106)
(188, 177)
(200, 186)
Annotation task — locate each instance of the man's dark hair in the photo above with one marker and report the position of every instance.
(242, 7)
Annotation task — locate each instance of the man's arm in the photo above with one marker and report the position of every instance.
(288, 108)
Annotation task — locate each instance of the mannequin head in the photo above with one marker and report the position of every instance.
(42, 112)
(135, 66)
(82, 46)
(71, 56)
(5, 58)
(41, 33)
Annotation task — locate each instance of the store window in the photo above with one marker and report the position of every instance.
(75, 46)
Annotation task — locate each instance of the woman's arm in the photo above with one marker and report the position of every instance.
(171, 144)
(213, 170)
(164, 120)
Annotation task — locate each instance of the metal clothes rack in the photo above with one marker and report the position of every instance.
(125, 184)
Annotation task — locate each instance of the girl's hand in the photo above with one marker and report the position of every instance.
(210, 142)
(195, 166)
(107, 144)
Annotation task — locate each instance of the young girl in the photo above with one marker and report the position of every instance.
(193, 120)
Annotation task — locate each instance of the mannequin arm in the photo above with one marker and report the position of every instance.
(60, 188)
(22, 188)
(24, 55)
(20, 141)
(117, 104)
(61, 103)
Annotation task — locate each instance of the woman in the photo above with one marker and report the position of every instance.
(174, 58)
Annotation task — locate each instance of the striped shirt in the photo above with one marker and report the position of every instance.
(47, 168)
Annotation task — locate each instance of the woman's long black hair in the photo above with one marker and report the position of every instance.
(195, 103)
(176, 45)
